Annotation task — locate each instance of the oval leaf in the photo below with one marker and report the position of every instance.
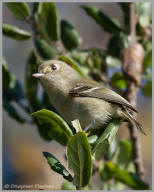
(31, 83)
(72, 63)
(105, 22)
(111, 152)
(59, 129)
(79, 158)
(11, 110)
(125, 153)
(31, 89)
(20, 10)
(68, 186)
(56, 166)
(79, 56)
(126, 11)
(15, 90)
(115, 45)
(118, 80)
(45, 50)
(69, 36)
(130, 179)
(92, 139)
(48, 19)
(15, 32)
(105, 139)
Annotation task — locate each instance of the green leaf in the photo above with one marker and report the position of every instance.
(79, 158)
(31, 83)
(125, 153)
(47, 103)
(145, 13)
(45, 50)
(12, 90)
(113, 61)
(144, 8)
(79, 56)
(58, 128)
(94, 61)
(129, 179)
(20, 10)
(147, 61)
(11, 110)
(56, 166)
(105, 175)
(48, 19)
(68, 186)
(6, 75)
(117, 22)
(11, 85)
(147, 89)
(118, 80)
(69, 36)
(126, 11)
(72, 63)
(115, 45)
(105, 22)
(15, 91)
(110, 153)
(31, 89)
(92, 139)
(15, 32)
(105, 139)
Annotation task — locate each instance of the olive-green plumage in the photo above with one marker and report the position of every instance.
(77, 97)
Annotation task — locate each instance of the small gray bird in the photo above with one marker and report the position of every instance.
(77, 97)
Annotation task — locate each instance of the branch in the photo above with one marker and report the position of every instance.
(131, 95)
(132, 23)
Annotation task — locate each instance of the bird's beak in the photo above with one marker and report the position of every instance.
(38, 75)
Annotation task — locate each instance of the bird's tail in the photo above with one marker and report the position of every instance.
(131, 119)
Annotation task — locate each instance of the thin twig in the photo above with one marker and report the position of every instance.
(131, 95)
(132, 23)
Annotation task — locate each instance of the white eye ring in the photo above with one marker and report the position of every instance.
(54, 67)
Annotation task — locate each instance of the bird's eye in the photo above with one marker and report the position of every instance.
(54, 67)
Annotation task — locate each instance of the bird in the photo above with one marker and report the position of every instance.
(79, 97)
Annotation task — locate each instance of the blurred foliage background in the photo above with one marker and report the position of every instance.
(23, 162)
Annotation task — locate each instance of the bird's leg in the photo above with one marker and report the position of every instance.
(89, 126)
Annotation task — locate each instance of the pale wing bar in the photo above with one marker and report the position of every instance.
(88, 91)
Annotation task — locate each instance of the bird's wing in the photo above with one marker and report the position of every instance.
(96, 90)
